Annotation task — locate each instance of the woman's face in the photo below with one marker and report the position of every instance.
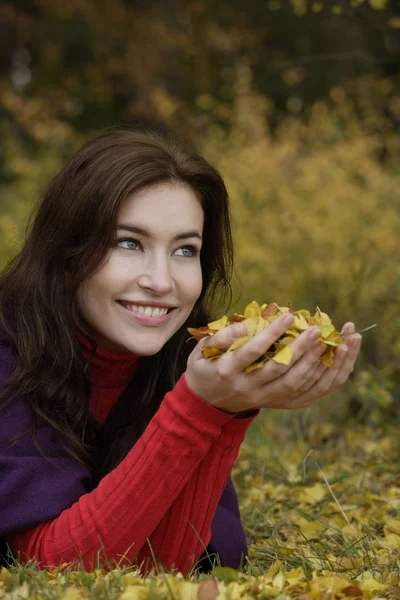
(152, 277)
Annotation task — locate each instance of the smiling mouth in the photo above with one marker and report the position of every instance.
(147, 311)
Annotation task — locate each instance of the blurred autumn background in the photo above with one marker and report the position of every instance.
(296, 103)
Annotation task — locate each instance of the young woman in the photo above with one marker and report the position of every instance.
(117, 438)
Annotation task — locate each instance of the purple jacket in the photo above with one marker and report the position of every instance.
(34, 490)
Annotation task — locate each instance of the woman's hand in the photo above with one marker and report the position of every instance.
(224, 384)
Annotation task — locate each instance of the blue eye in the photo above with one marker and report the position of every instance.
(129, 244)
(188, 251)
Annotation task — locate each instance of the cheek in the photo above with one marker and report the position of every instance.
(104, 283)
(91, 293)
(194, 284)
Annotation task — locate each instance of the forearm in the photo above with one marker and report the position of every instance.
(200, 511)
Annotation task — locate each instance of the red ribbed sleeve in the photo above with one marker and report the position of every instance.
(163, 494)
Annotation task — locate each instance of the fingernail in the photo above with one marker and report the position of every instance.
(288, 320)
(238, 329)
(318, 347)
(314, 333)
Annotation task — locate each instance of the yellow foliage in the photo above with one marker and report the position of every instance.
(316, 219)
(256, 318)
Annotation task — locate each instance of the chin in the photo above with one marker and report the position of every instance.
(144, 350)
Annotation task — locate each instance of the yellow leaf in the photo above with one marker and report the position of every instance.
(326, 330)
(285, 341)
(133, 592)
(211, 352)
(5, 575)
(328, 356)
(284, 309)
(199, 333)
(284, 356)
(324, 322)
(72, 593)
(392, 540)
(300, 322)
(304, 313)
(251, 325)
(314, 494)
(332, 584)
(393, 525)
(371, 585)
(293, 332)
(293, 475)
(273, 570)
(334, 339)
(252, 310)
(311, 529)
(295, 576)
(189, 590)
(129, 579)
(239, 343)
(262, 324)
(279, 580)
(219, 324)
(254, 366)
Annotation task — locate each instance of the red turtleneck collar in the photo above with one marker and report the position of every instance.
(109, 374)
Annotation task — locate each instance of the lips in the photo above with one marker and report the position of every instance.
(148, 319)
(149, 311)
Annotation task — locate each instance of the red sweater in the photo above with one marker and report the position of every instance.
(160, 500)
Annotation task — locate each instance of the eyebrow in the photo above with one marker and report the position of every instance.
(141, 231)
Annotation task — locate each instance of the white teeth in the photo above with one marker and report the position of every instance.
(146, 310)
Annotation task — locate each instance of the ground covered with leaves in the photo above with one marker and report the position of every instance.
(322, 517)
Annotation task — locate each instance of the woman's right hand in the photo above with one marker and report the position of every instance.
(225, 384)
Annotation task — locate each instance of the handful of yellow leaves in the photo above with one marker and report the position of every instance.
(256, 318)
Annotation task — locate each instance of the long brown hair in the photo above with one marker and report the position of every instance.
(72, 230)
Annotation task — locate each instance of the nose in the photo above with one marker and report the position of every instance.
(156, 275)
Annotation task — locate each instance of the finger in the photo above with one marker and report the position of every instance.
(312, 390)
(325, 384)
(294, 377)
(272, 370)
(353, 345)
(316, 375)
(326, 379)
(304, 343)
(308, 366)
(348, 328)
(236, 362)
